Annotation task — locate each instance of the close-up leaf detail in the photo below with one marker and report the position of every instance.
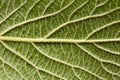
(59, 39)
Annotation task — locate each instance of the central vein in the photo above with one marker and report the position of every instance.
(18, 39)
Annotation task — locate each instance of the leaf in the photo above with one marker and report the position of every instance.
(59, 39)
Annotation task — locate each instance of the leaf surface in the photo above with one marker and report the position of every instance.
(59, 39)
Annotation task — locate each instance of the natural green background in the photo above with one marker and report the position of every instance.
(59, 39)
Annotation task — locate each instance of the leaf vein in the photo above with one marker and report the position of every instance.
(26, 60)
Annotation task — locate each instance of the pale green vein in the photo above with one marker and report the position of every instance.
(94, 8)
(78, 20)
(61, 3)
(6, 72)
(107, 50)
(7, 63)
(95, 57)
(7, 4)
(18, 39)
(73, 12)
(3, 1)
(35, 19)
(39, 74)
(52, 40)
(100, 28)
(102, 3)
(59, 27)
(31, 8)
(47, 6)
(108, 70)
(117, 34)
(26, 60)
(65, 63)
(75, 73)
(99, 59)
(13, 12)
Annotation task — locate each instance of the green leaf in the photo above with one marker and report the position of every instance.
(59, 39)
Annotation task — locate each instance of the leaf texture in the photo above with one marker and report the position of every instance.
(59, 39)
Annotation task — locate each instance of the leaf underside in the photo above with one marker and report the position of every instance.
(59, 39)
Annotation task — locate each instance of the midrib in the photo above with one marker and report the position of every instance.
(18, 39)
